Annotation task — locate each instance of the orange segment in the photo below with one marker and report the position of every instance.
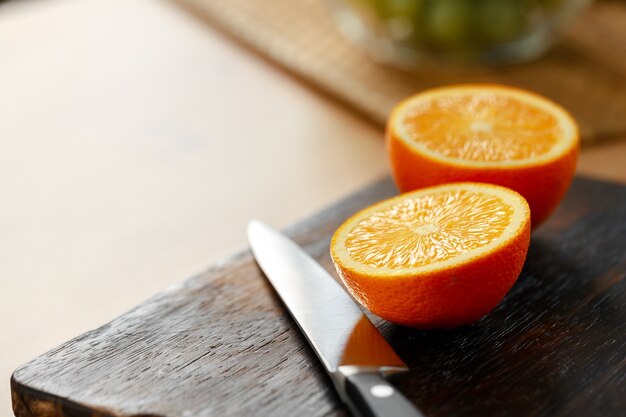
(482, 127)
(438, 257)
(429, 228)
(485, 133)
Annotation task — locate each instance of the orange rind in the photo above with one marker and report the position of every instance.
(485, 133)
(438, 257)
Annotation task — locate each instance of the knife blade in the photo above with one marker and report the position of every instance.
(354, 353)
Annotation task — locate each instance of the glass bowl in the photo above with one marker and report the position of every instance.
(410, 32)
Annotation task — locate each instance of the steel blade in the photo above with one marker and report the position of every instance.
(339, 332)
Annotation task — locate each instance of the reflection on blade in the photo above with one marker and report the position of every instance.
(367, 347)
(332, 322)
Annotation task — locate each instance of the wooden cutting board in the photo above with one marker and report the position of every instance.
(222, 344)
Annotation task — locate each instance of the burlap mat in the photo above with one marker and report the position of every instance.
(586, 71)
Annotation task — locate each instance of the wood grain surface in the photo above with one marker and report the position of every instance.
(222, 343)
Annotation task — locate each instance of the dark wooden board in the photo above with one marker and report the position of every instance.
(221, 343)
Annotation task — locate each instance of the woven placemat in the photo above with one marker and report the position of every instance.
(586, 71)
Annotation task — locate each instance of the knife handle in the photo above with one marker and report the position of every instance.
(372, 396)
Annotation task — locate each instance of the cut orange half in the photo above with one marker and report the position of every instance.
(485, 133)
(438, 257)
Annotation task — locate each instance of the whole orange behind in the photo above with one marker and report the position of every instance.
(485, 133)
(438, 257)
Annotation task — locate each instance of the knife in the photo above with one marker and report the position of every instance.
(354, 353)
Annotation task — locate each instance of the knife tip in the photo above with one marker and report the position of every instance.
(253, 225)
(253, 222)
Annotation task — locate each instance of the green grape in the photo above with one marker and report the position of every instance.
(462, 27)
(404, 8)
(530, 5)
(500, 20)
(449, 22)
(401, 17)
(551, 4)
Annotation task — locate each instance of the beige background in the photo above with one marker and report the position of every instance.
(135, 144)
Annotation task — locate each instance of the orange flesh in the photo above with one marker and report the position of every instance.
(482, 127)
(425, 229)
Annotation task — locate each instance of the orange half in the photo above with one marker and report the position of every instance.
(485, 133)
(438, 257)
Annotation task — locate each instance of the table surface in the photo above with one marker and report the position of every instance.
(135, 144)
